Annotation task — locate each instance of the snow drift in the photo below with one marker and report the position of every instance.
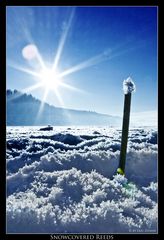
(65, 181)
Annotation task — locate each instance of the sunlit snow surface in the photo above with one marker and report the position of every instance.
(64, 181)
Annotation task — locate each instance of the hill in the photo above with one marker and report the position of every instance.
(22, 110)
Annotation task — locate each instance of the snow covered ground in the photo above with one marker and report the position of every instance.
(65, 181)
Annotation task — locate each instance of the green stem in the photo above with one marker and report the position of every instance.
(125, 130)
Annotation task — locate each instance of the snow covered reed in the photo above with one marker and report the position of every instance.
(128, 86)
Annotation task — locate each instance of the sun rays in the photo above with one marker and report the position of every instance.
(45, 77)
(50, 78)
(63, 40)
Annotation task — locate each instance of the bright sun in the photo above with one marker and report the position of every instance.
(49, 78)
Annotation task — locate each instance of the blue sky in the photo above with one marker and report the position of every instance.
(121, 40)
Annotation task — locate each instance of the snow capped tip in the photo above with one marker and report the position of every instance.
(128, 86)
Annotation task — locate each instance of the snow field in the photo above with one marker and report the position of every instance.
(65, 181)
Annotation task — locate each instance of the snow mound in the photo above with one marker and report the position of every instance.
(72, 201)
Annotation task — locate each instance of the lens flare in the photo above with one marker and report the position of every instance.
(30, 52)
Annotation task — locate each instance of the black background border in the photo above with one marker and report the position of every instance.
(3, 5)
